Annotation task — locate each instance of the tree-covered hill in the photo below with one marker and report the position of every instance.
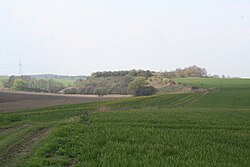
(136, 82)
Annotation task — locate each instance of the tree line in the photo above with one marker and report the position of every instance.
(193, 71)
(26, 83)
(132, 73)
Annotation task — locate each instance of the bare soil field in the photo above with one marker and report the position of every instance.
(18, 101)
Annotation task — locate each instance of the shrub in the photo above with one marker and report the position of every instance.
(18, 85)
(139, 87)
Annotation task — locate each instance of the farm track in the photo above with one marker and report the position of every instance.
(24, 147)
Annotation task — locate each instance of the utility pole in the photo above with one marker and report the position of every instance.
(20, 68)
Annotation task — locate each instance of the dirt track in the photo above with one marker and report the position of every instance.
(18, 101)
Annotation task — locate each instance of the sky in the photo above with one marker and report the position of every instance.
(78, 37)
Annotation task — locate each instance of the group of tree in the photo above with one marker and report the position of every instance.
(101, 86)
(107, 82)
(26, 83)
(139, 87)
(192, 71)
(132, 73)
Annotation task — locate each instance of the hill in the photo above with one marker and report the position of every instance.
(117, 82)
(107, 82)
(203, 128)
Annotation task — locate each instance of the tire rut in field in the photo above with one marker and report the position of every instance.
(196, 98)
(24, 148)
(190, 99)
(7, 130)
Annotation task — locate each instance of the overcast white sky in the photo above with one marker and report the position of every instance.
(83, 36)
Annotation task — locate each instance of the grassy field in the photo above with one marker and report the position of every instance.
(225, 84)
(66, 81)
(207, 128)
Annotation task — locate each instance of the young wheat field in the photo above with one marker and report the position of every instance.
(209, 127)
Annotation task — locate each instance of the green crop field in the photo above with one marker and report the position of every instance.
(226, 83)
(207, 128)
(66, 81)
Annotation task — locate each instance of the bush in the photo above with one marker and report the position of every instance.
(139, 87)
(145, 91)
(100, 92)
(136, 85)
(18, 85)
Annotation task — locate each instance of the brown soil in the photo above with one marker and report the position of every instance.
(18, 101)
